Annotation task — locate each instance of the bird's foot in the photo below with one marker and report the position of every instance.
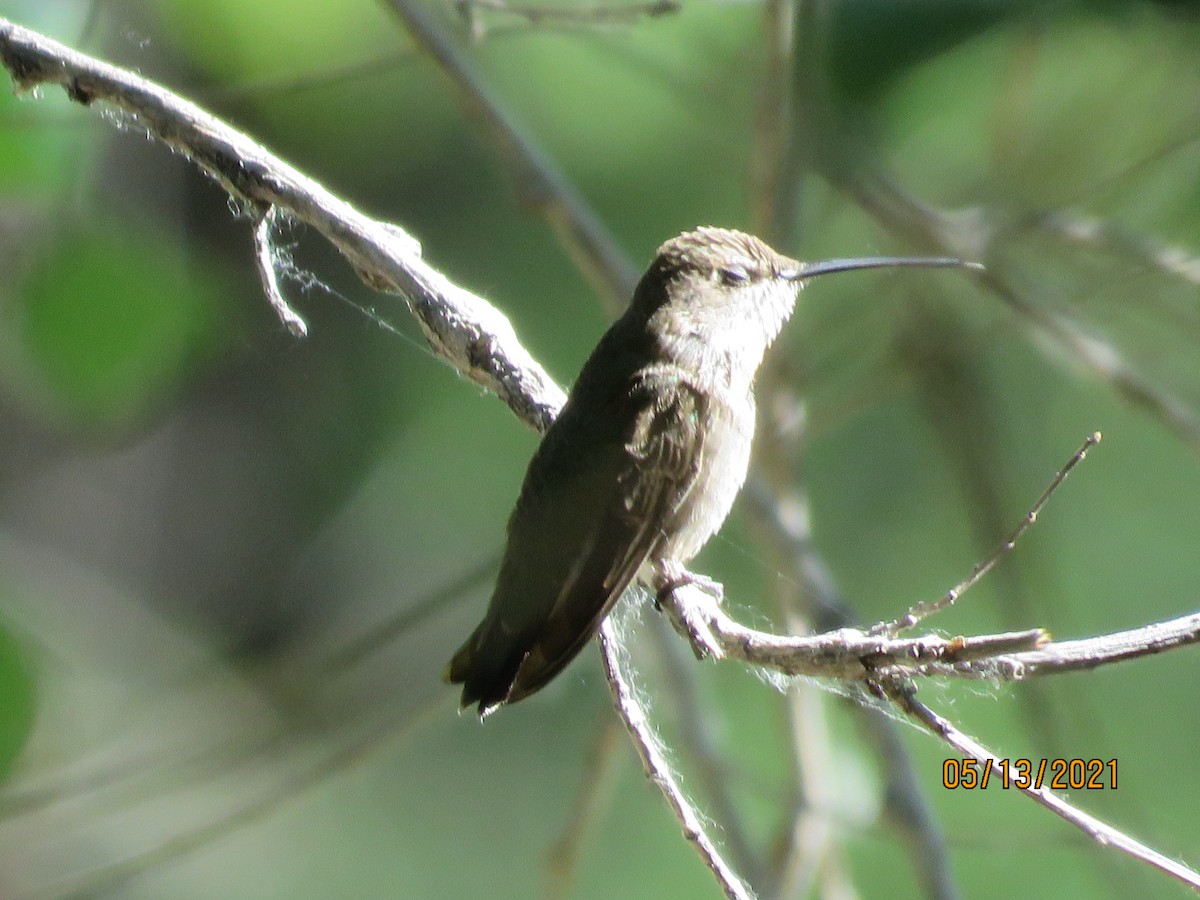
(672, 580)
(687, 614)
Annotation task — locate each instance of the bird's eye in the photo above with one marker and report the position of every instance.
(734, 275)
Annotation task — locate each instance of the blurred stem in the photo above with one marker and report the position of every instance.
(772, 121)
(842, 153)
(107, 878)
(595, 790)
(793, 123)
(785, 119)
(540, 183)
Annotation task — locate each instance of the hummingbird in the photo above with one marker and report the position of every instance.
(644, 462)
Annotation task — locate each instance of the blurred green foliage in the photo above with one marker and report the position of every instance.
(197, 511)
(110, 322)
(17, 689)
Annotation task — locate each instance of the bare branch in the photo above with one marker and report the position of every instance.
(461, 327)
(972, 233)
(847, 654)
(1090, 653)
(1100, 832)
(773, 120)
(809, 849)
(854, 655)
(654, 760)
(1093, 233)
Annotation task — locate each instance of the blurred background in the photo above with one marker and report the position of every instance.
(233, 563)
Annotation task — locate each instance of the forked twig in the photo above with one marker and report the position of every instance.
(923, 610)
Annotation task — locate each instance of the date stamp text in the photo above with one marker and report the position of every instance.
(1022, 774)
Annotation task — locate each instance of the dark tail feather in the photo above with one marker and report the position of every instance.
(485, 666)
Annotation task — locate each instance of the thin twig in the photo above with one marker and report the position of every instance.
(955, 397)
(843, 654)
(264, 258)
(1099, 831)
(654, 759)
(1054, 658)
(925, 609)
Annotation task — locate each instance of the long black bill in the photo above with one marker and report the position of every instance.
(830, 266)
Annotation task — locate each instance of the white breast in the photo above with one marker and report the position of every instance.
(723, 464)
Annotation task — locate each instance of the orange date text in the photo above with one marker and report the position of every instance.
(1030, 774)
